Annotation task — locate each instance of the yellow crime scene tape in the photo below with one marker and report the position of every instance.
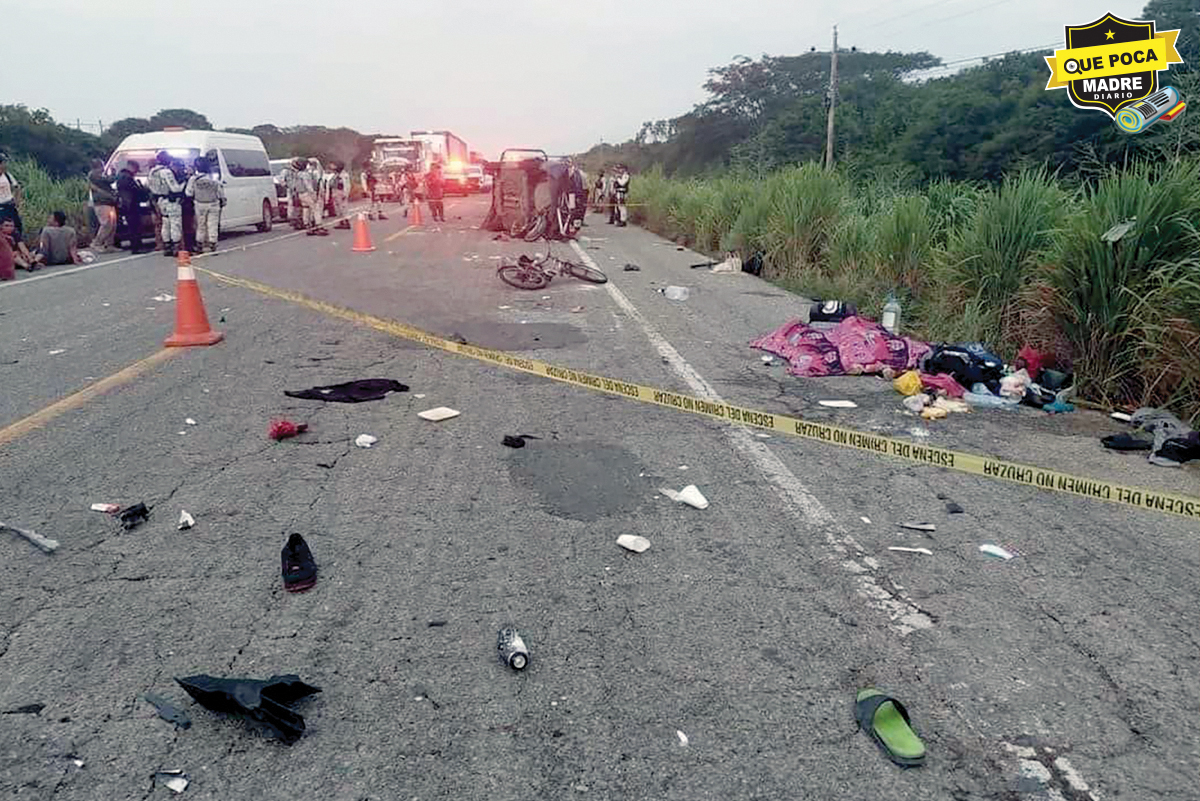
(972, 464)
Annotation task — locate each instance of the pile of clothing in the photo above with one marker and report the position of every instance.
(1170, 441)
(853, 347)
(1031, 383)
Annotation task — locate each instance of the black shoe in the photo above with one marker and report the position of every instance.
(299, 568)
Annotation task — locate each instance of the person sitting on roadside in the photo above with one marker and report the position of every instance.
(57, 244)
(7, 257)
(17, 254)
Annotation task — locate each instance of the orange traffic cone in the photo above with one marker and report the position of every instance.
(191, 321)
(415, 217)
(362, 235)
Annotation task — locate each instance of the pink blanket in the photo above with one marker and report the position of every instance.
(854, 347)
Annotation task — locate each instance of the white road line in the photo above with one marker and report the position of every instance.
(905, 617)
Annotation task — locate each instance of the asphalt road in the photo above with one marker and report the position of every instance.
(1069, 672)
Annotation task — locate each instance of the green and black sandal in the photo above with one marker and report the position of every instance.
(886, 720)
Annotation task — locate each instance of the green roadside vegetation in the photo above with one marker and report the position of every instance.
(992, 208)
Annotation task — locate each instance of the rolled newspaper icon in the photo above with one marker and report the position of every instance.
(1140, 116)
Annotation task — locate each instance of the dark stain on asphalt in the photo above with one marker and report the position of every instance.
(583, 481)
(514, 336)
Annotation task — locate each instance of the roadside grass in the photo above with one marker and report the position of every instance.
(44, 195)
(1019, 263)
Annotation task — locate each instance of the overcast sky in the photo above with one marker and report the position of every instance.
(500, 73)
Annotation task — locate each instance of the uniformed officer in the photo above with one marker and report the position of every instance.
(166, 192)
(209, 197)
(306, 189)
(370, 186)
(621, 191)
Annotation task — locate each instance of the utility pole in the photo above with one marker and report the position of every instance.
(833, 87)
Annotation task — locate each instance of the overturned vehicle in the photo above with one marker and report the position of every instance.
(536, 196)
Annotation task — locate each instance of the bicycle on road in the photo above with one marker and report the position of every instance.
(527, 273)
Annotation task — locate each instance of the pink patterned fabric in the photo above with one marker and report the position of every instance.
(855, 346)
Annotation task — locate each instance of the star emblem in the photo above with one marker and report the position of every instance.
(1108, 34)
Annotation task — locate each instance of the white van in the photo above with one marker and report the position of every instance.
(238, 161)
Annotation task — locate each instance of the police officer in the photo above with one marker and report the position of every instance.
(306, 190)
(621, 193)
(370, 186)
(339, 188)
(209, 198)
(166, 192)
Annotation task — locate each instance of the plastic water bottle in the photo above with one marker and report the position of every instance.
(891, 315)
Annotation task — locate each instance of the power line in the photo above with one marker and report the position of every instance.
(886, 20)
(971, 11)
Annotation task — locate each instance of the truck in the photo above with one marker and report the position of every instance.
(443, 146)
(391, 157)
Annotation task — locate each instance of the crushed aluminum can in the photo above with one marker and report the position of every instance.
(513, 652)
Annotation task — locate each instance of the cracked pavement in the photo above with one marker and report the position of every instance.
(1074, 665)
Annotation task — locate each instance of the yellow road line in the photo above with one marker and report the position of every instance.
(399, 233)
(58, 408)
(838, 436)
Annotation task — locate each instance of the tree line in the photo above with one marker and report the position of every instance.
(64, 152)
(976, 125)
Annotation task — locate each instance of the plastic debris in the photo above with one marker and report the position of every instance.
(108, 508)
(365, 440)
(925, 551)
(517, 441)
(163, 298)
(56, 352)
(679, 293)
(951, 405)
(689, 495)
(79, 763)
(28, 709)
(419, 395)
(919, 526)
(917, 431)
(186, 521)
(134, 516)
(997, 551)
(577, 309)
(683, 738)
(175, 780)
(839, 404)
(934, 413)
(768, 359)
(168, 711)
(47, 545)
(438, 414)
(908, 384)
(285, 429)
(190, 421)
(632, 542)
(916, 403)
(866, 520)
(267, 701)
(1124, 418)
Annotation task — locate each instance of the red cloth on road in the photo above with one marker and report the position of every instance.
(943, 381)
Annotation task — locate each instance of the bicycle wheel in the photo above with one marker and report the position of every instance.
(584, 273)
(522, 277)
(537, 229)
